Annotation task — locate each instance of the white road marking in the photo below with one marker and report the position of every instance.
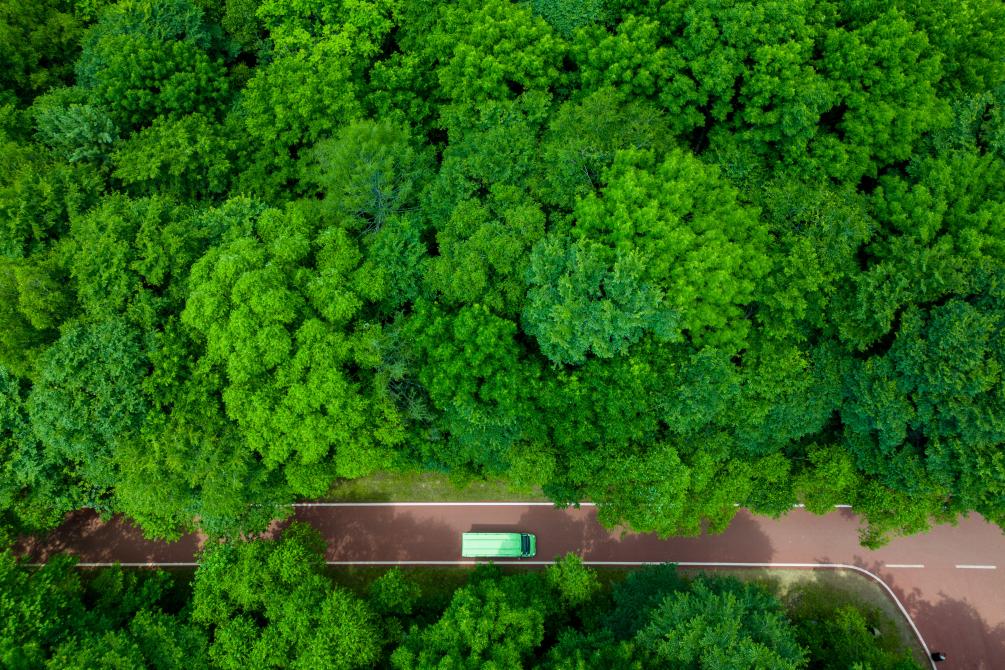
(153, 564)
(487, 503)
(977, 567)
(904, 565)
(433, 504)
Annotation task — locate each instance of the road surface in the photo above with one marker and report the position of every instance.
(951, 581)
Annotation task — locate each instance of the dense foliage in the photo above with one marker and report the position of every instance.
(668, 255)
(271, 604)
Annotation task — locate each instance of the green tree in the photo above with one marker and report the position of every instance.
(38, 42)
(368, 178)
(39, 196)
(492, 144)
(277, 306)
(88, 399)
(721, 624)
(33, 302)
(268, 604)
(311, 79)
(938, 230)
(490, 624)
(593, 651)
(190, 157)
(394, 593)
(488, 50)
(39, 609)
(699, 245)
(672, 490)
(639, 594)
(192, 464)
(117, 619)
(580, 302)
(583, 137)
(35, 492)
(566, 16)
(924, 417)
(483, 248)
(575, 583)
(73, 127)
(840, 633)
(965, 41)
(367, 174)
(881, 69)
(131, 258)
(146, 58)
(469, 362)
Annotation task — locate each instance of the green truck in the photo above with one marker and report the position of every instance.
(498, 545)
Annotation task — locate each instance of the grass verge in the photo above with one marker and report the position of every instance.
(427, 487)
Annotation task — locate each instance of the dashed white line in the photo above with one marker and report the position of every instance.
(977, 567)
(904, 565)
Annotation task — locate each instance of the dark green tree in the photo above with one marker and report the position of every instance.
(88, 400)
(583, 298)
(491, 623)
(146, 58)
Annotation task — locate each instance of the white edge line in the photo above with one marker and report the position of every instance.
(827, 566)
(435, 504)
(977, 567)
(486, 503)
(83, 564)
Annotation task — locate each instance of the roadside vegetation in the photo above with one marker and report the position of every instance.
(274, 604)
(666, 256)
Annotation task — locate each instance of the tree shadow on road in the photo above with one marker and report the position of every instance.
(83, 534)
(578, 531)
(382, 534)
(951, 625)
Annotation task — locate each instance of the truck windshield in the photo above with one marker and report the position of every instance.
(525, 544)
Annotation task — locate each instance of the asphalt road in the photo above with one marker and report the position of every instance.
(951, 581)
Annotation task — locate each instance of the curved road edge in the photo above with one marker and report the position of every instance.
(689, 564)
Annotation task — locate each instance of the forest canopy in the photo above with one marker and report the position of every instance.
(668, 256)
